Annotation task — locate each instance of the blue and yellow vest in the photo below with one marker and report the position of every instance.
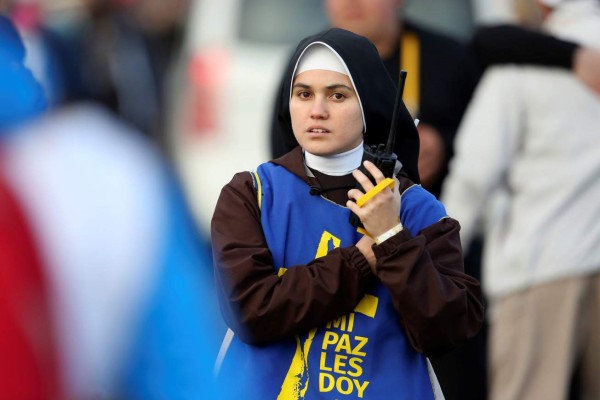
(362, 355)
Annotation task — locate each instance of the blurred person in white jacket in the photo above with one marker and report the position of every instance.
(527, 172)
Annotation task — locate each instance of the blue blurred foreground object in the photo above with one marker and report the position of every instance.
(11, 46)
(21, 96)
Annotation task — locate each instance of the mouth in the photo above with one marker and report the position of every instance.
(317, 130)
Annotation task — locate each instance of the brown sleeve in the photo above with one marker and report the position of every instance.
(438, 304)
(258, 305)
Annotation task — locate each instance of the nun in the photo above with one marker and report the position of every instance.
(316, 308)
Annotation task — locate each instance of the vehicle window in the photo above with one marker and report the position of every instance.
(280, 21)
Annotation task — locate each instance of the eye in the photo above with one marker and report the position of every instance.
(304, 95)
(338, 96)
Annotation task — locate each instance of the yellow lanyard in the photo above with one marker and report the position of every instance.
(410, 61)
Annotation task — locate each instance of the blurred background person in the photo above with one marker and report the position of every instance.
(125, 53)
(116, 52)
(505, 42)
(127, 287)
(535, 193)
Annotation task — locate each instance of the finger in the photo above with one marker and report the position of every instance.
(355, 194)
(353, 207)
(374, 171)
(362, 179)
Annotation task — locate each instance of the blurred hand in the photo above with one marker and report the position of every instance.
(587, 67)
(382, 212)
(432, 154)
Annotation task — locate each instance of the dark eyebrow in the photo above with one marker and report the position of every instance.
(330, 87)
(301, 85)
(339, 86)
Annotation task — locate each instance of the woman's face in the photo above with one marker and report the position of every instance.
(325, 111)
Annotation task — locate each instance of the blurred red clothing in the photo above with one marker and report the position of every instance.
(28, 366)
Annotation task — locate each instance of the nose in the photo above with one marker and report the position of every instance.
(319, 109)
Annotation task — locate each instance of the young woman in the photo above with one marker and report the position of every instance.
(319, 310)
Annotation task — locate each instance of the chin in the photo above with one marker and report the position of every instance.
(321, 151)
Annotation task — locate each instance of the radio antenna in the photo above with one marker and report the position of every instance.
(389, 148)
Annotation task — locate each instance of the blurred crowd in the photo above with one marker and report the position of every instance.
(121, 119)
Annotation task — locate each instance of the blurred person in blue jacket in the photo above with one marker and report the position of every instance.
(128, 279)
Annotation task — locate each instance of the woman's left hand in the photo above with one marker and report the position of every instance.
(382, 212)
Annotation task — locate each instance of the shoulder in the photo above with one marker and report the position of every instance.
(242, 183)
(239, 197)
(250, 187)
(419, 208)
(293, 161)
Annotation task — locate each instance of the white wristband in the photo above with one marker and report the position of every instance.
(388, 234)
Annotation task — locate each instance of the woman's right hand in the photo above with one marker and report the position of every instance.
(380, 213)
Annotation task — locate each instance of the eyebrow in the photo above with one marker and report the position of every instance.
(329, 87)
